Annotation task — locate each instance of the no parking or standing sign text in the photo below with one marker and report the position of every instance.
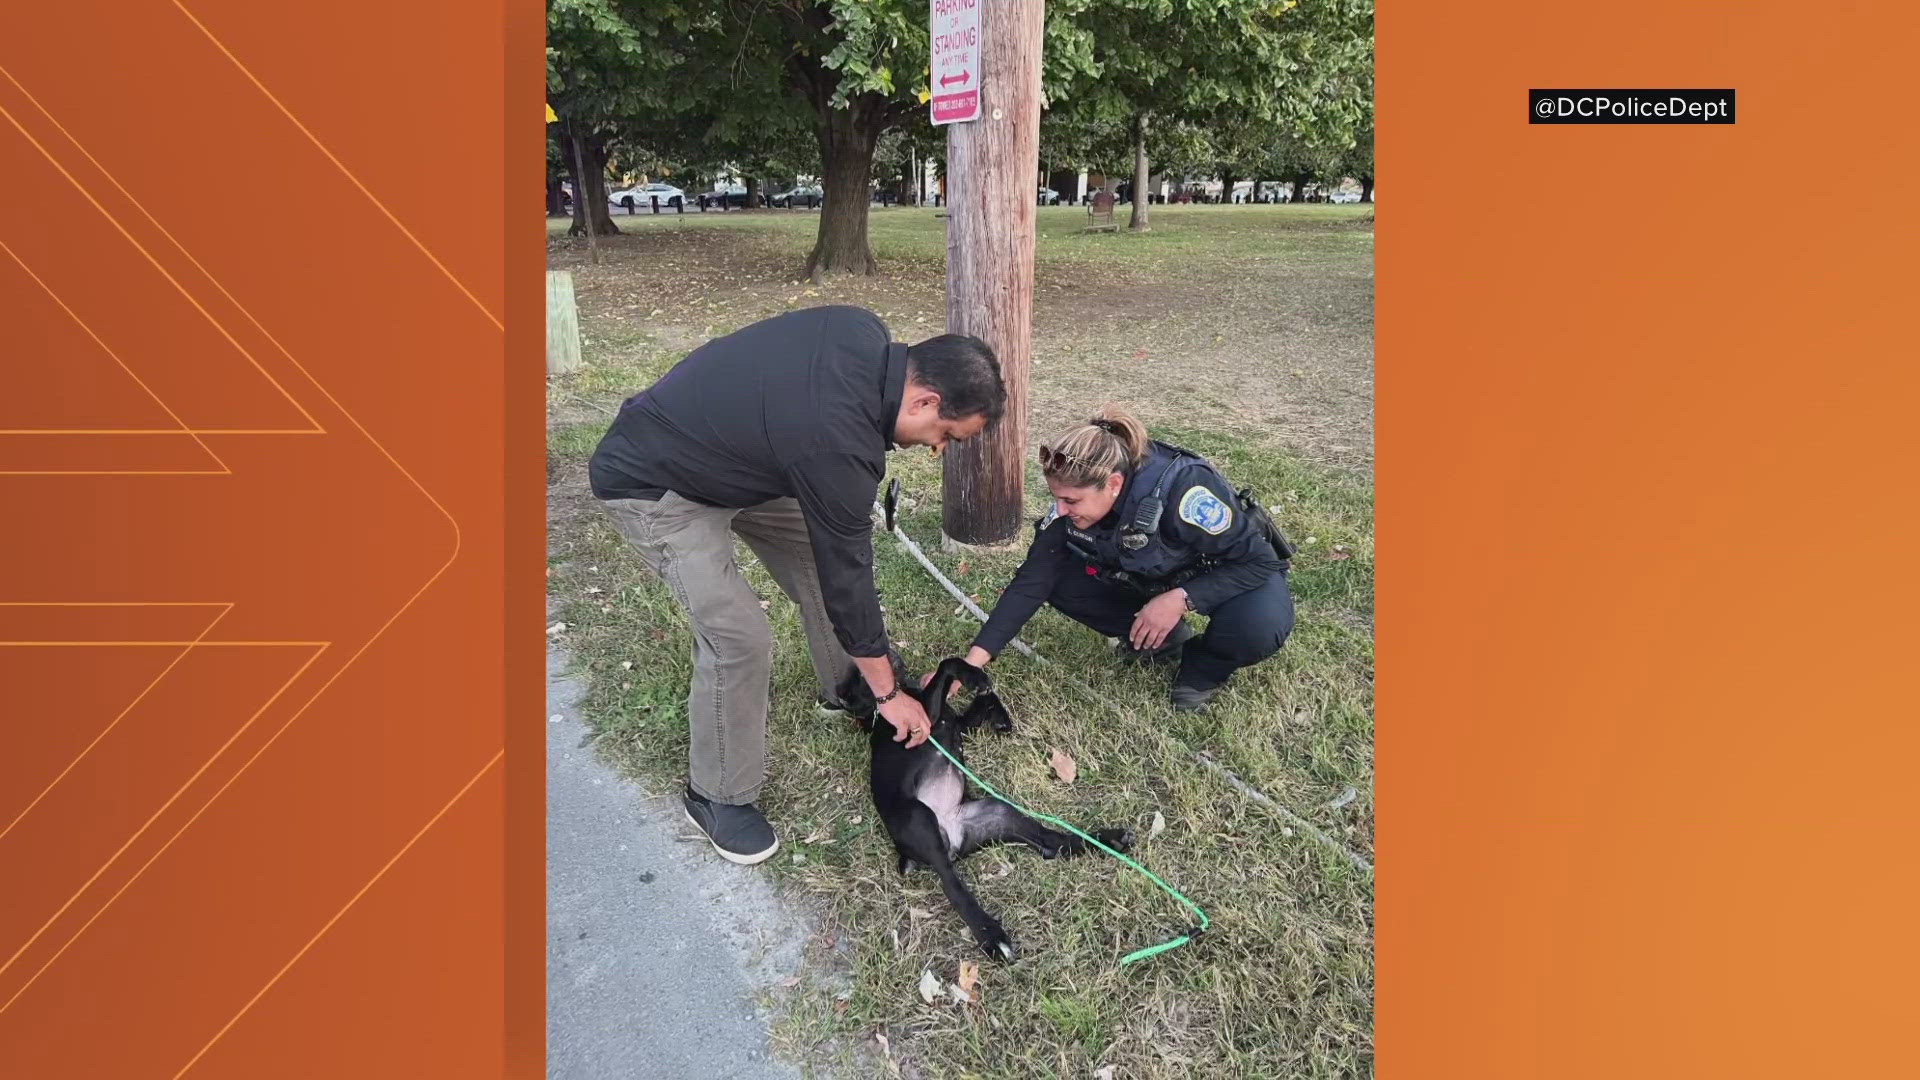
(954, 56)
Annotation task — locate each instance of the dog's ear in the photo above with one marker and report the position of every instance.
(993, 712)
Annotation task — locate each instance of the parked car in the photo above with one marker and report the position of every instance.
(641, 198)
(1344, 197)
(807, 195)
(1049, 197)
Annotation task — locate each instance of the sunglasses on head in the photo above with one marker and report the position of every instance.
(1055, 459)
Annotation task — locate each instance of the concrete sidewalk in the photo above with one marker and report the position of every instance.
(655, 945)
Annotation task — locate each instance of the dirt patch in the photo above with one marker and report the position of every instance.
(1248, 318)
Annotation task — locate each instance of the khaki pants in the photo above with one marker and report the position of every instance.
(691, 547)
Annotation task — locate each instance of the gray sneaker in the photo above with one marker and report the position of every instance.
(739, 833)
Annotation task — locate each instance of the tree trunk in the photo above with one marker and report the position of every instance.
(1299, 190)
(556, 198)
(1138, 222)
(1254, 195)
(1366, 189)
(753, 193)
(1227, 180)
(847, 137)
(588, 154)
(990, 238)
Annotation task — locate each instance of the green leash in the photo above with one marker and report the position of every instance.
(1141, 954)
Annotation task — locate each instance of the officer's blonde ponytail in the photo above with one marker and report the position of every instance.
(1110, 442)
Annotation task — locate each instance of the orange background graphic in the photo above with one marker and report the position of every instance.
(1646, 526)
(257, 494)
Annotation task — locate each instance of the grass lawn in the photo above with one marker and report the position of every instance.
(1283, 986)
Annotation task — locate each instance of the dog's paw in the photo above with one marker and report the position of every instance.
(1118, 839)
(994, 941)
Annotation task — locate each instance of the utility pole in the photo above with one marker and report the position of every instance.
(991, 162)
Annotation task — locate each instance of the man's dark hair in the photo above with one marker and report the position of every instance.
(962, 370)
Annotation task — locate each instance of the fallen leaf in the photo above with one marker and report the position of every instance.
(923, 913)
(555, 718)
(1159, 825)
(789, 984)
(929, 986)
(963, 568)
(1336, 555)
(1063, 765)
(556, 628)
(592, 589)
(970, 979)
(626, 665)
(959, 995)
(1104, 1072)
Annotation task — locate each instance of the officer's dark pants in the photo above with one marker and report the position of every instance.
(1243, 631)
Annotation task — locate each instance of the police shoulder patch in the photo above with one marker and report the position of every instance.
(1053, 515)
(1202, 509)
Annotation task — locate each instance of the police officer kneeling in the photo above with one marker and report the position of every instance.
(1141, 533)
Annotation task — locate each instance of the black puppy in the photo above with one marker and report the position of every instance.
(924, 802)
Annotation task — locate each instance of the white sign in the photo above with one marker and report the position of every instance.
(955, 60)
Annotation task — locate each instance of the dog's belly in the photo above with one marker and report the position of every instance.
(941, 793)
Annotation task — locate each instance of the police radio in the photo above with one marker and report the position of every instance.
(1146, 522)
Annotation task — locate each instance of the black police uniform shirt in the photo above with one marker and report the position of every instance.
(801, 405)
(1202, 527)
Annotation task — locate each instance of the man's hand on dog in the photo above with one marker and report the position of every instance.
(909, 720)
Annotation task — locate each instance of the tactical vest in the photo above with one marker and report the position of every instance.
(1134, 553)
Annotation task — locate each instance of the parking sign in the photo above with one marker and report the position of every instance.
(955, 60)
